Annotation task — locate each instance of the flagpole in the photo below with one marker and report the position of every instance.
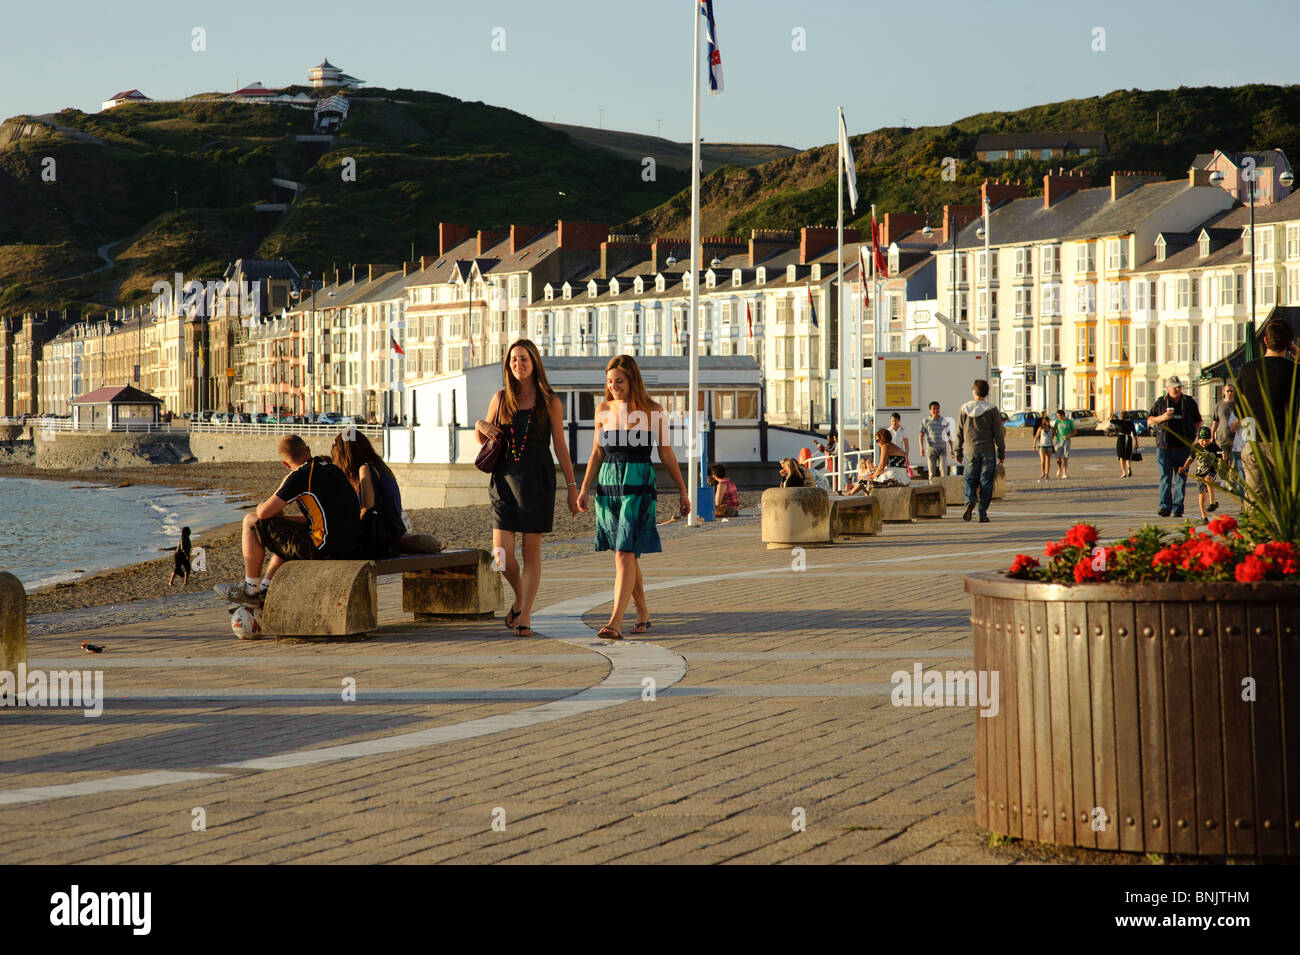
(839, 309)
(692, 451)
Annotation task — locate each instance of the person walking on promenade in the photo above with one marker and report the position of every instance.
(628, 425)
(328, 526)
(1125, 443)
(898, 434)
(936, 442)
(1175, 418)
(979, 427)
(527, 418)
(181, 560)
(1203, 462)
(1062, 428)
(1268, 392)
(1043, 437)
(1225, 409)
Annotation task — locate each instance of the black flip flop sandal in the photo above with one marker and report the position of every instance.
(530, 632)
(609, 633)
(641, 627)
(512, 612)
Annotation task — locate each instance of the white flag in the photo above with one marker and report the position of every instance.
(846, 156)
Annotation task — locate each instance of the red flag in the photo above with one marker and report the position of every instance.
(882, 267)
(863, 272)
(749, 320)
(396, 347)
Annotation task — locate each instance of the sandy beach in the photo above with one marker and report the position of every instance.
(250, 484)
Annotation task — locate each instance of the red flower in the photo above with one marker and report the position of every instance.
(1053, 548)
(1221, 526)
(1022, 565)
(1251, 569)
(1204, 554)
(1084, 571)
(1170, 556)
(1281, 555)
(1082, 536)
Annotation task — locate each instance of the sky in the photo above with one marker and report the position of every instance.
(625, 64)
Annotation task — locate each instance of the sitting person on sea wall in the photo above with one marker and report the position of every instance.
(327, 527)
(726, 497)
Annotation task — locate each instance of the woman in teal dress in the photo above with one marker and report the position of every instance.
(627, 426)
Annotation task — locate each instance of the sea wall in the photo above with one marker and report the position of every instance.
(235, 448)
(92, 452)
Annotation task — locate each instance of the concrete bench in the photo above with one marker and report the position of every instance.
(954, 486)
(795, 516)
(855, 516)
(337, 598)
(928, 501)
(897, 504)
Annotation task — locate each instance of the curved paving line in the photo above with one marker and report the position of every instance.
(630, 663)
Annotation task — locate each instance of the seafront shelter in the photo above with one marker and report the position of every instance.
(115, 408)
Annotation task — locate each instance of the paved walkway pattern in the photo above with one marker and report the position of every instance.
(759, 700)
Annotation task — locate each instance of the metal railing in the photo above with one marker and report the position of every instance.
(282, 427)
(49, 425)
(826, 464)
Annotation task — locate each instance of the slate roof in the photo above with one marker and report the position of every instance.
(117, 395)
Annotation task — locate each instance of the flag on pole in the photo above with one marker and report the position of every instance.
(811, 307)
(882, 268)
(715, 55)
(863, 272)
(749, 320)
(846, 156)
(396, 347)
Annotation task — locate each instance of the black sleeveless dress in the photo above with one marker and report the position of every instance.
(523, 485)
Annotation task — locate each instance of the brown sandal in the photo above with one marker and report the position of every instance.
(609, 633)
(641, 626)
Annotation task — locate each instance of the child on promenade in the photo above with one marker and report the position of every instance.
(181, 560)
(1204, 461)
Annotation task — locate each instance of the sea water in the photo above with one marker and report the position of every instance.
(53, 531)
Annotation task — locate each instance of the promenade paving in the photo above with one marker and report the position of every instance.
(782, 711)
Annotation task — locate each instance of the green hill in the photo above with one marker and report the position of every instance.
(899, 168)
(172, 187)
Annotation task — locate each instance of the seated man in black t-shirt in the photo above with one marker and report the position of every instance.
(327, 527)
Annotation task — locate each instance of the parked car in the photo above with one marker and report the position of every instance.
(1139, 419)
(263, 418)
(1023, 419)
(1083, 421)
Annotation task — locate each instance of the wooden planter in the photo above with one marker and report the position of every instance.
(1128, 699)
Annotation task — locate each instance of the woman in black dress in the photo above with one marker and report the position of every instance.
(1125, 443)
(526, 416)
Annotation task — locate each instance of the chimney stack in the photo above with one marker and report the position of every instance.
(997, 192)
(898, 224)
(662, 248)
(488, 239)
(521, 235)
(1124, 182)
(1058, 186)
(581, 236)
(766, 242)
(450, 235)
(957, 216)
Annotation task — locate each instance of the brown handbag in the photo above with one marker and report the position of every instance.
(488, 455)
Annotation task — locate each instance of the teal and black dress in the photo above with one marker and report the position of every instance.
(625, 493)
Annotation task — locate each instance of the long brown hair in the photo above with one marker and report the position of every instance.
(509, 403)
(637, 397)
(349, 455)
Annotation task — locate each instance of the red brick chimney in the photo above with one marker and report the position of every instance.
(662, 248)
(954, 217)
(581, 236)
(425, 262)
(898, 224)
(521, 235)
(488, 239)
(814, 240)
(765, 242)
(450, 235)
(1128, 180)
(1059, 186)
(618, 251)
(995, 192)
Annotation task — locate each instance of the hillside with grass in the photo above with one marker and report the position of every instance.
(144, 190)
(899, 169)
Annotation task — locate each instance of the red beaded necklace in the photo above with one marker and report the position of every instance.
(517, 450)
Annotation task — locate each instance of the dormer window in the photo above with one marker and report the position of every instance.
(686, 280)
(638, 285)
(735, 278)
(1161, 246)
(893, 260)
(568, 290)
(549, 293)
(710, 279)
(760, 275)
(613, 286)
(816, 272)
(1204, 244)
(659, 283)
(592, 291)
(791, 273)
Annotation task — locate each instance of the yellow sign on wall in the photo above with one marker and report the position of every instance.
(898, 382)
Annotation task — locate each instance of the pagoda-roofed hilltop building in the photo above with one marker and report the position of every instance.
(327, 74)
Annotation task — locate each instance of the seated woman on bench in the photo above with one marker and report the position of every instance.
(892, 469)
(383, 522)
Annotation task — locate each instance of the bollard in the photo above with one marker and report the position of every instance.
(13, 623)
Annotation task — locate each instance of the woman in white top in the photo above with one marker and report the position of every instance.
(1043, 442)
(900, 437)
